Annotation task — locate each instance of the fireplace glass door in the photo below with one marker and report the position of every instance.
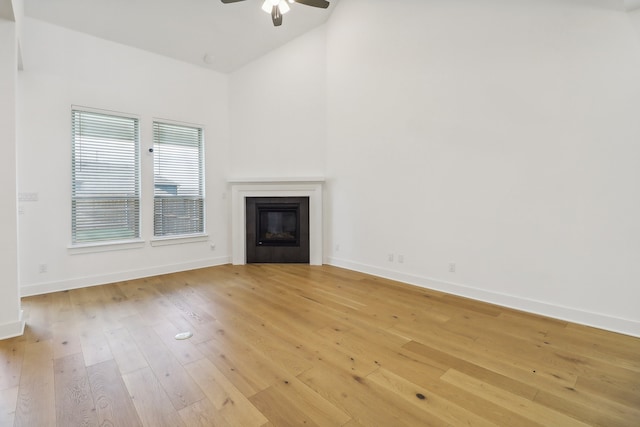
(278, 225)
(277, 229)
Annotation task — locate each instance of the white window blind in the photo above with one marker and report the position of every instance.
(105, 177)
(178, 180)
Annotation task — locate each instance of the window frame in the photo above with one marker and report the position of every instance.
(105, 244)
(198, 236)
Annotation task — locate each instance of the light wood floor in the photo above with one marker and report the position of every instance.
(294, 345)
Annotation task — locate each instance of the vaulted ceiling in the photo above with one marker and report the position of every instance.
(209, 33)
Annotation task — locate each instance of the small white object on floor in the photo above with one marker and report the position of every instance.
(184, 335)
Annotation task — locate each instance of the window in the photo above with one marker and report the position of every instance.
(105, 194)
(178, 208)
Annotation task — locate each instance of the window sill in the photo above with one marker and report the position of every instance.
(179, 240)
(88, 248)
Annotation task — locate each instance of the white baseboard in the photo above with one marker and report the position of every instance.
(83, 282)
(12, 329)
(574, 315)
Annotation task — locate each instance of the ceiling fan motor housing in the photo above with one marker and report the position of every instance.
(279, 7)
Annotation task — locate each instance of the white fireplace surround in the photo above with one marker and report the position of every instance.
(241, 188)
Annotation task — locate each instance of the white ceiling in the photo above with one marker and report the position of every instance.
(208, 33)
(632, 4)
(228, 35)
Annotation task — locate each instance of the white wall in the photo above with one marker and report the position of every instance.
(11, 323)
(501, 136)
(65, 68)
(634, 16)
(278, 112)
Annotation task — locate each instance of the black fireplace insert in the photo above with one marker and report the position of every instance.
(278, 224)
(277, 229)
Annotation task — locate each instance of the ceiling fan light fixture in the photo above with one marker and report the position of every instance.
(277, 8)
(268, 6)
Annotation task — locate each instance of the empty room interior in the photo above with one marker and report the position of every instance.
(333, 213)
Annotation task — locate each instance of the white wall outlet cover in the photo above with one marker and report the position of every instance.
(183, 335)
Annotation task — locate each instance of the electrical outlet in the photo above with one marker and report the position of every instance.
(390, 257)
(400, 259)
(42, 268)
(337, 248)
(28, 197)
(452, 267)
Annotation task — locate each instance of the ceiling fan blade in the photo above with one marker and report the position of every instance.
(231, 1)
(315, 3)
(276, 16)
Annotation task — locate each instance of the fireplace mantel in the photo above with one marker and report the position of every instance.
(241, 188)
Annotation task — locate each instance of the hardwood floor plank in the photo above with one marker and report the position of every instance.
(232, 405)
(150, 400)
(74, 400)
(203, 414)
(119, 307)
(446, 411)
(280, 347)
(529, 326)
(309, 408)
(363, 400)
(231, 370)
(612, 384)
(8, 402)
(497, 360)
(604, 345)
(148, 304)
(525, 407)
(113, 403)
(293, 344)
(185, 299)
(38, 318)
(91, 304)
(589, 409)
(66, 338)
(180, 388)
(125, 351)
(36, 395)
(95, 347)
(11, 358)
(246, 367)
(61, 306)
(470, 402)
(558, 367)
(472, 305)
(278, 411)
(446, 361)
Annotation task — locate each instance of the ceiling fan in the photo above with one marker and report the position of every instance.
(277, 8)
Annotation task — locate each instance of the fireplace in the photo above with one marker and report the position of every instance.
(310, 188)
(277, 229)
